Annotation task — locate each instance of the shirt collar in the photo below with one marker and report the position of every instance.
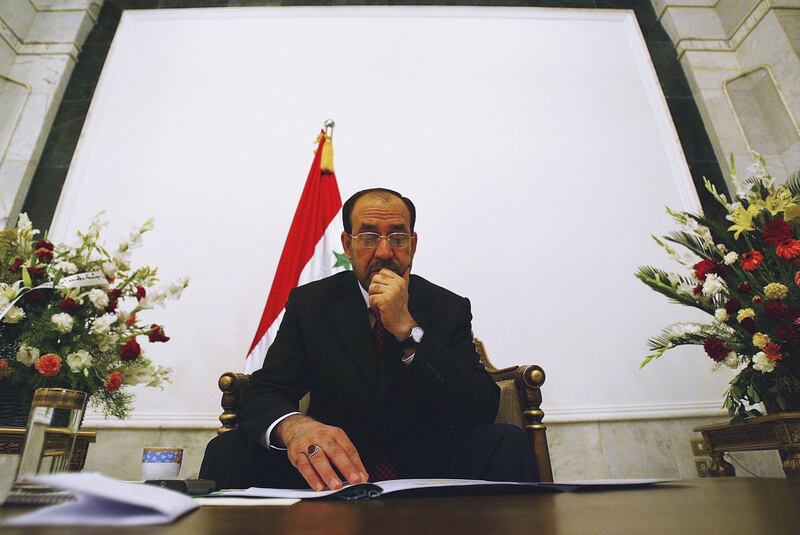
(364, 293)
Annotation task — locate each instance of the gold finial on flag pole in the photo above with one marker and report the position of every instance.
(326, 163)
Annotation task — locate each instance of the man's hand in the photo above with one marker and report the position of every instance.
(388, 292)
(298, 432)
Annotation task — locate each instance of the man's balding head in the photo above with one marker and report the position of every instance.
(378, 194)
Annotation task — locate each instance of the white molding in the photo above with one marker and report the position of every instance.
(210, 421)
(749, 23)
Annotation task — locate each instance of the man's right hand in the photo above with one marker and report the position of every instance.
(298, 432)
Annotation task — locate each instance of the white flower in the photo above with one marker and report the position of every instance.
(14, 315)
(99, 298)
(139, 376)
(721, 315)
(102, 324)
(27, 355)
(109, 269)
(107, 341)
(713, 285)
(674, 280)
(763, 363)
(175, 289)
(24, 223)
(147, 226)
(732, 360)
(63, 322)
(79, 360)
(9, 292)
(722, 249)
(65, 267)
(123, 316)
(731, 258)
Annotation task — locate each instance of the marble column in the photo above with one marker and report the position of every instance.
(40, 41)
(742, 61)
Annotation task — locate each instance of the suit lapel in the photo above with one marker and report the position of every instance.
(349, 315)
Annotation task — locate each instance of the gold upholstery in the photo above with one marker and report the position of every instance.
(520, 404)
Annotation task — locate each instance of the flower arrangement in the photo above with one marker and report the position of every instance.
(70, 315)
(745, 272)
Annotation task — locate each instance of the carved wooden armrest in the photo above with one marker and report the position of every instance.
(233, 386)
(529, 380)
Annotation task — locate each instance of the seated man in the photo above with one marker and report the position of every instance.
(397, 388)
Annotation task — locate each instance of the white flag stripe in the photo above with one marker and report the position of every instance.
(318, 267)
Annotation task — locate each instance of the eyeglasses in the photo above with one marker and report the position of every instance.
(369, 240)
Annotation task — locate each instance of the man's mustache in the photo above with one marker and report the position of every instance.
(380, 264)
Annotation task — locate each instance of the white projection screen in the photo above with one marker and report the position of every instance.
(536, 143)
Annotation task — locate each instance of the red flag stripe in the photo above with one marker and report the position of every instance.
(319, 204)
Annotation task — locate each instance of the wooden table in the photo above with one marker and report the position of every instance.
(779, 431)
(704, 506)
(12, 438)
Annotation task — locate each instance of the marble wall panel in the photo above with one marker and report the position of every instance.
(18, 15)
(732, 13)
(635, 449)
(576, 451)
(37, 115)
(44, 74)
(690, 23)
(790, 22)
(60, 27)
(7, 57)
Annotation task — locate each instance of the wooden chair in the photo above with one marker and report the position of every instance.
(520, 401)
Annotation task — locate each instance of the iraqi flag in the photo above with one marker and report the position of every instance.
(308, 253)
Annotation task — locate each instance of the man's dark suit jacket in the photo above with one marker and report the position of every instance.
(325, 346)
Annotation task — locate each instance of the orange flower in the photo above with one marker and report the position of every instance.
(797, 278)
(114, 382)
(773, 351)
(5, 369)
(48, 365)
(751, 260)
(788, 249)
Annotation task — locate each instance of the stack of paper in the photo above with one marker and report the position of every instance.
(103, 501)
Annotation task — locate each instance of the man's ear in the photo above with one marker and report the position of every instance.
(414, 243)
(347, 241)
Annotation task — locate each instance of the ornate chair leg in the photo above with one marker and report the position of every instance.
(791, 464)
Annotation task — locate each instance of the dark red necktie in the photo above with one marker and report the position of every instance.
(380, 469)
(379, 333)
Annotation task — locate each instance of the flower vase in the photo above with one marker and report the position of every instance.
(15, 405)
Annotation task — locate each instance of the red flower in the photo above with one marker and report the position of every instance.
(757, 299)
(787, 331)
(5, 369)
(157, 334)
(775, 309)
(36, 272)
(141, 293)
(114, 382)
(745, 287)
(733, 306)
(16, 264)
(716, 348)
(44, 255)
(131, 320)
(776, 231)
(130, 350)
(35, 297)
(67, 305)
(797, 278)
(48, 365)
(788, 249)
(44, 244)
(749, 325)
(703, 268)
(751, 260)
(773, 351)
(116, 293)
(112, 305)
(697, 289)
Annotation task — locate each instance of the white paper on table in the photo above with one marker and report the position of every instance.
(104, 501)
(250, 502)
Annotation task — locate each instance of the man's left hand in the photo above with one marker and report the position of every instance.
(388, 293)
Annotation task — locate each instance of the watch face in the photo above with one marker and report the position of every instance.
(416, 334)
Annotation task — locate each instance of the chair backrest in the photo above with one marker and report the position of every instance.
(520, 403)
